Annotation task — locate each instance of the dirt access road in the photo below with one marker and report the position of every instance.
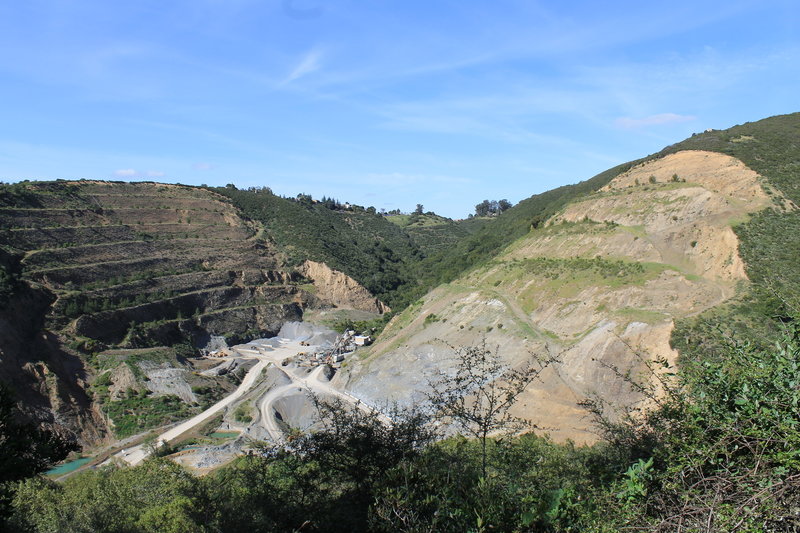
(266, 355)
(312, 383)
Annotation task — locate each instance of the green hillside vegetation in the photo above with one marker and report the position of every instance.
(435, 234)
(718, 453)
(356, 241)
(769, 241)
(417, 220)
(487, 237)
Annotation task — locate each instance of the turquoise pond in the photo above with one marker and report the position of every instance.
(224, 434)
(66, 468)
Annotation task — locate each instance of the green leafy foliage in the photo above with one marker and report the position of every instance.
(243, 413)
(364, 327)
(158, 496)
(25, 449)
(138, 412)
(362, 244)
(17, 195)
(718, 452)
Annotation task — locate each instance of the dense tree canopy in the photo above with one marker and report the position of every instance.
(25, 449)
(492, 207)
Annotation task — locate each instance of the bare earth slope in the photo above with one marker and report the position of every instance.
(602, 279)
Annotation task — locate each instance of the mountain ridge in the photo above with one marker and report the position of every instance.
(193, 261)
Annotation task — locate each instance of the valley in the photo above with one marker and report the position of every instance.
(203, 324)
(399, 267)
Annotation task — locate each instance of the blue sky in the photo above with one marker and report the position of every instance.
(382, 103)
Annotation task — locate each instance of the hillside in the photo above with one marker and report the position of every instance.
(600, 272)
(434, 234)
(484, 238)
(356, 241)
(96, 274)
(109, 288)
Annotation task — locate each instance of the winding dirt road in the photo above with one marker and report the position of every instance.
(265, 355)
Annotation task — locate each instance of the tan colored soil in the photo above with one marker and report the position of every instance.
(340, 290)
(600, 328)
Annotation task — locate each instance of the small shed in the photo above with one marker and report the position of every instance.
(362, 340)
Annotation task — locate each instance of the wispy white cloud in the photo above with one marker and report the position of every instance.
(310, 62)
(653, 120)
(510, 116)
(203, 166)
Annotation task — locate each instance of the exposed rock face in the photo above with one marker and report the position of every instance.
(687, 222)
(47, 379)
(599, 285)
(340, 290)
(119, 265)
(122, 379)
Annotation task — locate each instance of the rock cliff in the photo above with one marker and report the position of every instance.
(340, 290)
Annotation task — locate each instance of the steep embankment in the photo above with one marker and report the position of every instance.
(599, 284)
(97, 273)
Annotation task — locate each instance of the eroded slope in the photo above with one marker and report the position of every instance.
(600, 281)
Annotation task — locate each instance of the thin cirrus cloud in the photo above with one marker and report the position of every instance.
(203, 166)
(311, 62)
(125, 172)
(653, 120)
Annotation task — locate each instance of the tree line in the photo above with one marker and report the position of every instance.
(716, 452)
(492, 207)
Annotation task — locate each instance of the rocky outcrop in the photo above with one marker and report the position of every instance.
(340, 290)
(116, 265)
(48, 380)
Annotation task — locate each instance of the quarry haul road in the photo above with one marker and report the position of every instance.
(311, 383)
(265, 356)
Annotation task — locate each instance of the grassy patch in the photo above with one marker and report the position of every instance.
(113, 358)
(243, 413)
(418, 220)
(641, 315)
(139, 413)
(566, 278)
